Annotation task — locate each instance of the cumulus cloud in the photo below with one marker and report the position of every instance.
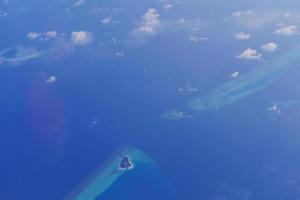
(106, 20)
(51, 34)
(242, 13)
(21, 55)
(79, 3)
(254, 19)
(42, 36)
(234, 74)
(270, 47)
(242, 36)
(81, 37)
(33, 35)
(274, 109)
(119, 54)
(93, 123)
(168, 6)
(65, 43)
(187, 25)
(150, 21)
(250, 54)
(197, 39)
(149, 26)
(51, 80)
(287, 30)
(188, 88)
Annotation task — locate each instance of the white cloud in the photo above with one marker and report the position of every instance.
(79, 3)
(242, 36)
(33, 35)
(119, 54)
(51, 34)
(150, 21)
(175, 115)
(42, 36)
(114, 40)
(186, 25)
(81, 37)
(188, 88)
(234, 74)
(168, 6)
(254, 19)
(274, 109)
(242, 13)
(149, 26)
(93, 123)
(197, 39)
(250, 54)
(181, 21)
(287, 30)
(106, 20)
(51, 80)
(270, 47)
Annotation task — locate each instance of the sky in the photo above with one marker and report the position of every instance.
(210, 85)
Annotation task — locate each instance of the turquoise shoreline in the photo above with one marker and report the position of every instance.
(97, 183)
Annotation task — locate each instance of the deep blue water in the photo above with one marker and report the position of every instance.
(236, 149)
(145, 182)
(49, 144)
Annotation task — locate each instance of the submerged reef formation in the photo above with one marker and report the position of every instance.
(21, 54)
(130, 172)
(243, 86)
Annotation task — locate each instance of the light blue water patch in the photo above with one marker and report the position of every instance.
(246, 85)
(95, 186)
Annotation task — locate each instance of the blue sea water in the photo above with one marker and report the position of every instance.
(146, 182)
(52, 136)
(232, 151)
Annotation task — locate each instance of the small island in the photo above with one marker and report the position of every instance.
(126, 163)
(125, 159)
